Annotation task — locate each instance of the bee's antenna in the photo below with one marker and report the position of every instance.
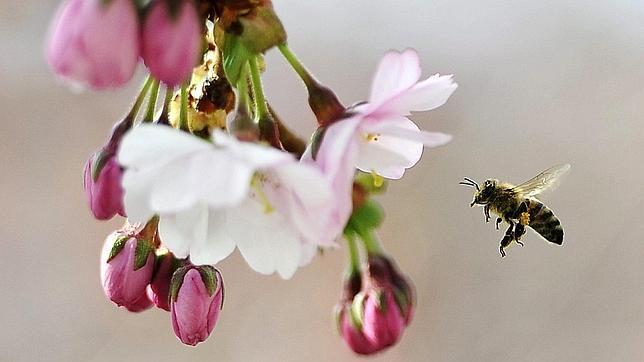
(469, 182)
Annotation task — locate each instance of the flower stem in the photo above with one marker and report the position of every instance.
(152, 102)
(183, 112)
(295, 63)
(140, 98)
(354, 255)
(164, 118)
(261, 110)
(371, 242)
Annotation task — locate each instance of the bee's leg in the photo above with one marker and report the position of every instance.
(519, 230)
(524, 219)
(486, 210)
(498, 221)
(507, 239)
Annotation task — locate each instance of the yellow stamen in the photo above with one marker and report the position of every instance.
(378, 181)
(371, 137)
(256, 184)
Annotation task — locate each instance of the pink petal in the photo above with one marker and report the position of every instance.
(396, 72)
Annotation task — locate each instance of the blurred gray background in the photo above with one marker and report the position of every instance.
(540, 82)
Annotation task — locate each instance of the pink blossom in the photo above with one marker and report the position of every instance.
(95, 43)
(377, 136)
(124, 281)
(195, 307)
(172, 42)
(102, 182)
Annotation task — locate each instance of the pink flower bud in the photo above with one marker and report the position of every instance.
(159, 289)
(382, 321)
(352, 333)
(197, 297)
(140, 304)
(102, 182)
(172, 39)
(126, 269)
(95, 43)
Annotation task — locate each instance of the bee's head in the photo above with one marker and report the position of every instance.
(483, 194)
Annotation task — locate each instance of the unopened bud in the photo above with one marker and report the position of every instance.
(126, 268)
(197, 296)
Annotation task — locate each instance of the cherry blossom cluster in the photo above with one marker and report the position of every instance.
(211, 168)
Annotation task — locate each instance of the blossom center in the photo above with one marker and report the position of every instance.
(256, 184)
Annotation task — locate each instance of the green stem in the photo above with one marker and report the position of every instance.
(169, 92)
(295, 63)
(354, 255)
(140, 98)
(152, 102)
(242, 87)
(183, 113)
(371, 243)
(258, 92)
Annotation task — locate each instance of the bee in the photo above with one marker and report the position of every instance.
(519, 207)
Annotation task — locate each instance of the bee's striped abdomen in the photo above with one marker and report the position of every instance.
(544, 221)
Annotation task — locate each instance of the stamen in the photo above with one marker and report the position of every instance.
(256, 184)
(378, 181)
(371, 137)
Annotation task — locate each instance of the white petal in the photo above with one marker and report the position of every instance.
(266, 241)
(396, 72)
(149, 144)
(389, 156)
(136, 198)
(255, 155)
(173, 189)
(431, 93)
(179, 232)
(339, 146)
(217, 245)
(429, 139)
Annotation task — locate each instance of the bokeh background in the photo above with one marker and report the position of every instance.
(540, 82)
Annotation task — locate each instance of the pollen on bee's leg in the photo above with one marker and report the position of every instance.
(378, 181)
(524, 219)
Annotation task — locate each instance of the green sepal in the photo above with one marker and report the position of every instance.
(141, 253)
(100, 159)
(369, 216)
(357, 310)
(235, 56)
(209, 278)
(381, 301)
(372, 184)
(176, 281)
(337, 316)
(402, 301)
(316, 141)
(119, 244)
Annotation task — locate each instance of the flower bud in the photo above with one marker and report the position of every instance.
(351, 331)
(172, 39)
(197, 296)
(95, 43)
(140, 304)
(159, 289)
(382, 322)
(102, 183)
(126, 269)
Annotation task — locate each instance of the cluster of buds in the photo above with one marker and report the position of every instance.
(217, 170)
(136, 273)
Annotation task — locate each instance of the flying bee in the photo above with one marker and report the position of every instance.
(519, 207)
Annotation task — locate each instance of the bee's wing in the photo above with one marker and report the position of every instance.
(543, 181)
